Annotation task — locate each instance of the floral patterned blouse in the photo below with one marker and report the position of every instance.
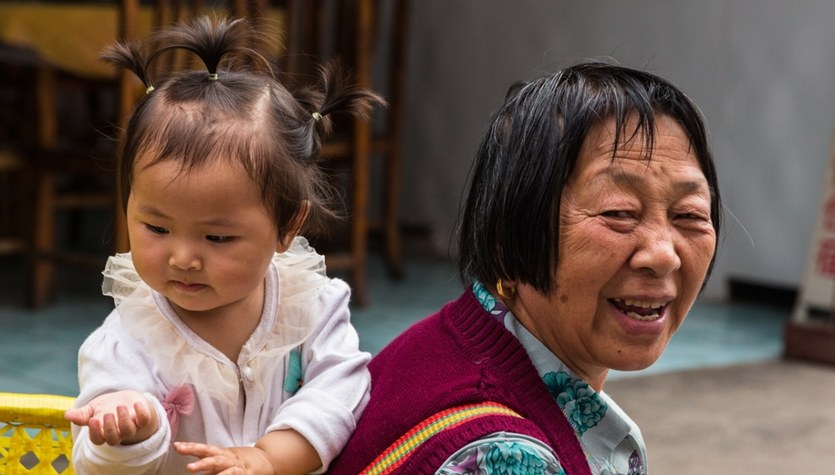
(611, 441)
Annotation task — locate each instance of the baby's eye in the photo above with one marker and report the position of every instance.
(156, 229)
(218, 239)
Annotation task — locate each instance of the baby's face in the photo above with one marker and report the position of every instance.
(202, 238)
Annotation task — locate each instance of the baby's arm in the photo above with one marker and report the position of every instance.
(279, 452)
(109, 362)
(118, 418)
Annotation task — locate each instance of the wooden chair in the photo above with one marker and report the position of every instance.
(69, 174)
(46, 160)
(14, 234)
(12, 179)
(55, 161)
(353, 30)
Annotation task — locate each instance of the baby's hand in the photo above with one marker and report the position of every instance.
(119, 418)
(218, 461)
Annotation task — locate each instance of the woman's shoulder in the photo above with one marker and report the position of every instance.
(504, 452)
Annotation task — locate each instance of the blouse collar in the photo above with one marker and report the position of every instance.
(601, 425)
(288, 318)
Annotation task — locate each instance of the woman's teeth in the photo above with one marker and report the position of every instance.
(643, 310)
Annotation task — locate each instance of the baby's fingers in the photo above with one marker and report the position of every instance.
(96, 432)
(126, 424)
(196, 449)
(79, 416)
(212, 459)
(110, 429)
(143, 415)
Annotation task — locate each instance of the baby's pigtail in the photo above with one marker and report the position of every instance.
(129, 56)
(340, 96)
(210, 41)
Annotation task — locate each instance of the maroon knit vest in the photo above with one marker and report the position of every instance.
(460, 355)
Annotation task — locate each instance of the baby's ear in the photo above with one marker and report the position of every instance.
(294, 227)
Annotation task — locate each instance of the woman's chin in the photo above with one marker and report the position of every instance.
(636, 362)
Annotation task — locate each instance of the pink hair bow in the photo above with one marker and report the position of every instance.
(179, 401)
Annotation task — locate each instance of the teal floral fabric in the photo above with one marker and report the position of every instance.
(505, 454)
(583, 407)
(490, 304)
(611, 441)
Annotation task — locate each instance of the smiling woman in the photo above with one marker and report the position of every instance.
(589, 229)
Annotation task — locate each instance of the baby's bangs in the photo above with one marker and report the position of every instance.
(193, 136)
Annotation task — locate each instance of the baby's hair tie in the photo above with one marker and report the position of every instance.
(212, 76)
(149, 90)
(316, 116)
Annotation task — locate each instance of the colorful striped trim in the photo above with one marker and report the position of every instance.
(400, 451)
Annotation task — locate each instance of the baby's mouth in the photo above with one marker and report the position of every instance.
(643, 310)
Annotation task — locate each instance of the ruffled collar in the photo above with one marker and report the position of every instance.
(291, 286)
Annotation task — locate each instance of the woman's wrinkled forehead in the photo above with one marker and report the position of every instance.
(634, 135)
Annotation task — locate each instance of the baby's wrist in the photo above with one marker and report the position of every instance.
(256, 460)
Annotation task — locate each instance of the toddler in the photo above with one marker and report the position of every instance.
(228, 343)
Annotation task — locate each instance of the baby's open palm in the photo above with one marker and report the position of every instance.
(118, 418)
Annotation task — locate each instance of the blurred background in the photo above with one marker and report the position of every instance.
(761, 70)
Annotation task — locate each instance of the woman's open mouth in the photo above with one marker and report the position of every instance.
(642, 310)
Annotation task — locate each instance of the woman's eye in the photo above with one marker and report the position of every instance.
(218, 239)
(619, 214)
(693, 216)
(156, 229)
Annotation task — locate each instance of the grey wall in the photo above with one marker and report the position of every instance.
(763, 72)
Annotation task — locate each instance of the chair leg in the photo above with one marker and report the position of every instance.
(393, 252)
(359, 212)
(42, 269)
(392, 155)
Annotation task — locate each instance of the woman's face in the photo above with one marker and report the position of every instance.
(635, 243)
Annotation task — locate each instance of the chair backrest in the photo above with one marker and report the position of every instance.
(34, 436)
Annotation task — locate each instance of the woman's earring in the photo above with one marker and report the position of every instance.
(511, 292)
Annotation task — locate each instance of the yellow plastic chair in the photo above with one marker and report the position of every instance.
(34, 436)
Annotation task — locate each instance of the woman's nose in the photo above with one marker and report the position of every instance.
(657, 252)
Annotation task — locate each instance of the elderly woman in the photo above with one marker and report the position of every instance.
(589, 230)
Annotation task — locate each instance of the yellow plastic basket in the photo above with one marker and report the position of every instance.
(34, 436)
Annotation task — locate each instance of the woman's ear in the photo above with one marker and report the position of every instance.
(294, 227)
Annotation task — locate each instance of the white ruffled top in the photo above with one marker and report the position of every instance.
(149, 317)
(144, 346)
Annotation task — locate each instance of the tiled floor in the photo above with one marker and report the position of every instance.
(38, 348)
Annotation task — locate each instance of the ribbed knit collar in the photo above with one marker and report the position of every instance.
(488, 340)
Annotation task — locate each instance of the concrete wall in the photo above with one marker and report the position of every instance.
(763, 72)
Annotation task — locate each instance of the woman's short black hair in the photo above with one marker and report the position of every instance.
(510, 220)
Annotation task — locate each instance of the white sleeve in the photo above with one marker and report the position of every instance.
(109, 360)
(144, 457)
(336, 384)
